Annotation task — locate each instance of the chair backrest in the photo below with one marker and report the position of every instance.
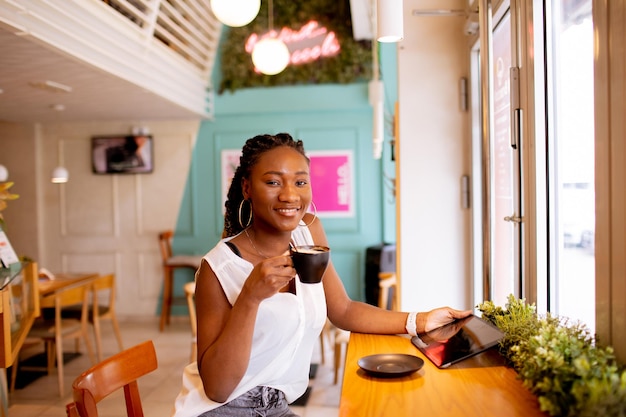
(103, 283)
(165, 244)
(388, 287)
(71, 296)
(67, 296)
(119, 371)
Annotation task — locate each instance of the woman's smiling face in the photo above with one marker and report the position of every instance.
(279, 188)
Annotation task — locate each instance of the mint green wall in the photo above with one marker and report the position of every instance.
(325, 117)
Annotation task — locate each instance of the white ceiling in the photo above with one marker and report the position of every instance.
(95, 95)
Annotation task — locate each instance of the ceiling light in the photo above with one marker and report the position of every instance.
(389, 15)
(235, 13)
(60, 175)
(52, 86)
(270, 55)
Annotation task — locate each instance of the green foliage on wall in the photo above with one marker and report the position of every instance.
(353, 63)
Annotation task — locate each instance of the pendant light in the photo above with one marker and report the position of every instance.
(389, 16)
(270, 55)
(60, 174)
(235, 13)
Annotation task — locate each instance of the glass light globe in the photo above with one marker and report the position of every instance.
(270, 56)
(235, 13)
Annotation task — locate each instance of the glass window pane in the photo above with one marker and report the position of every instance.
(573, 159)
(502, 169)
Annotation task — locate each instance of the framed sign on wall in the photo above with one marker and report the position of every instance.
(331, 174)
(122, 154)
(332, 180)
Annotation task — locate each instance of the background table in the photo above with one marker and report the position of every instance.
(49, 286)
(479, 386)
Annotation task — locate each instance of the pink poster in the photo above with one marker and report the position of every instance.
(332, 183)
(331, 180)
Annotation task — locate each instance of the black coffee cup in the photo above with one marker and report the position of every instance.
(310, 262)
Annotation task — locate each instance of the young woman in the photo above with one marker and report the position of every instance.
(257, 323)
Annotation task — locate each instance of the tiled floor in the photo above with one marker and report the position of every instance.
(158, 389)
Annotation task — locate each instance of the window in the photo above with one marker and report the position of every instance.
(571, 102)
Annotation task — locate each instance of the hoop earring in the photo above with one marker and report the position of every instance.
(249, 217)
(314, 215)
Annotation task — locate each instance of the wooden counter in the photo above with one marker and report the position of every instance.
(479, 386)
(19, 306)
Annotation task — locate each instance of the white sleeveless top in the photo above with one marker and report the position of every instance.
(286, 330)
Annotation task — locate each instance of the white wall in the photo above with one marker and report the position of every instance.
(434, 153)
(97, 223)
(17, 153)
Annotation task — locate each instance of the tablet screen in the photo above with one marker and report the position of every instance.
(458, 340)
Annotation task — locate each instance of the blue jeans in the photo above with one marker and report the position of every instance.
(258, 402)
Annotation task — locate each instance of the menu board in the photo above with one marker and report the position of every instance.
(7, 254)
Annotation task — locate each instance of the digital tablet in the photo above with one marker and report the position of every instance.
(458, 340)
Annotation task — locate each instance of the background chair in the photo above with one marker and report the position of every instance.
(170, 263)
(121, 370)
(54, 331)
(103, 285)
(388, 291)
(325, 334)
(387, 299)
(341, 339)
(190, 293)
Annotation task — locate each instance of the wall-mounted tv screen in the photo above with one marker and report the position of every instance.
(122, 154)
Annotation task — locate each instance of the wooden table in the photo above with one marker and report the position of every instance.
(479, 386)
(47, 287)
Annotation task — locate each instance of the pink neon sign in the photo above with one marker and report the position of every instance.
(308, 44)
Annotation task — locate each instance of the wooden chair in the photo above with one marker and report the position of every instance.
(341, 339)
(121, 370)
(170, 263)
(97, 311)
(54, 332)
(387, 284)
(190, 293)
(325, 334)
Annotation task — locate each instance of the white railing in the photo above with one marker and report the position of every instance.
(165, 46)
(188, 27)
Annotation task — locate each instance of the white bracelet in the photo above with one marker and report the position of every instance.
(411, 324)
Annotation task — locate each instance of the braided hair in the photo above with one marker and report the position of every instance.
(250, 154)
